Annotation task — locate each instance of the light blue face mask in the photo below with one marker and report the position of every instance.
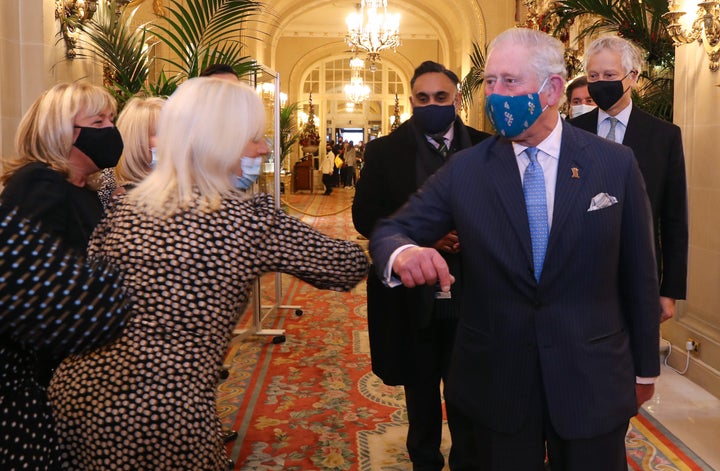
(153, 161)
(250, 172)
(512, 115)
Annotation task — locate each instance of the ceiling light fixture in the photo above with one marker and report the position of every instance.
(372, 29)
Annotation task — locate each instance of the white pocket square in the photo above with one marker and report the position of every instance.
(602, 200)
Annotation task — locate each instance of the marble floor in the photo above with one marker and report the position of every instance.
(690, 413)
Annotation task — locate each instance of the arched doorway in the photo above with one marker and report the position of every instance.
(326, 79)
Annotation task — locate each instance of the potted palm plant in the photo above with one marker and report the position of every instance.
(199, 33)
(289, 134)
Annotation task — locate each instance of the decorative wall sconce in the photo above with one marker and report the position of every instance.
(705, 28)
(72, 13)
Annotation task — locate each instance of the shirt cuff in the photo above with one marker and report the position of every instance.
(389, 279)
(639, 380)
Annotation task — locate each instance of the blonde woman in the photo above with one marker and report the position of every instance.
(66, 136)
(190, 246)
(138, 125)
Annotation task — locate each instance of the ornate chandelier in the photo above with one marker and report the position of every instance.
(373, 29)
(356, 91)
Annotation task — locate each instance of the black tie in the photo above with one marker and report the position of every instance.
(442, 147)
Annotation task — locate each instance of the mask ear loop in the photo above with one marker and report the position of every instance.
(540, 90)
(633, 71)
(625, 90)
(543, 84)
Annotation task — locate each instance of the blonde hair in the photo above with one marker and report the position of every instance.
(46, 130)
(137, 123)
(202, 132)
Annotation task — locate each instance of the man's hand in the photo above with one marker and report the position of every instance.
(417, 266)
(667, 308)
(450, 243)
(644, 392)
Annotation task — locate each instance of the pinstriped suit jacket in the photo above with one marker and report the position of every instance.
(587, 328)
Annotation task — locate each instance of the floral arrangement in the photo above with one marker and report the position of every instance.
(309, 135)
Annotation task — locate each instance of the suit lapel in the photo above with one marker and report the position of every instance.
(588, 121)
(506, 178)
(574, 169)
(633, 132)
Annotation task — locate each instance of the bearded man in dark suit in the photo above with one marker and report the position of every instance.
(412, 330)
(557, 343)
(613, 65)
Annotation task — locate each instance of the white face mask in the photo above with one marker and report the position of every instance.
(251, 168)
(577, 110)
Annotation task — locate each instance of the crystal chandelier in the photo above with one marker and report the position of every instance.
(373, 29)
(356, 91)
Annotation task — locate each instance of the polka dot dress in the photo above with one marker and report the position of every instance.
(51, 305)
(27, 437)
(147, 401)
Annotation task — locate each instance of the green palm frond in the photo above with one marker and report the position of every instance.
(472, 82)
(204, 32)
(121, 47)
(655, 95)
(198, 33)
(229, 53)
(289, 133)
(639, 21)
(164, 85)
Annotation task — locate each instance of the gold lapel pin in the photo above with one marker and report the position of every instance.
(575, 172)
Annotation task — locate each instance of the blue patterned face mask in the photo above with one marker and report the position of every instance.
(512, 115)
(250, 172)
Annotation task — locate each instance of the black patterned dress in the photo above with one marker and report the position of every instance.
(68, 214)
(52, 304)
(147, 401)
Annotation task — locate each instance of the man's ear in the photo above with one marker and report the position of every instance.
(458, 100)
(635, 77)
(555, 89)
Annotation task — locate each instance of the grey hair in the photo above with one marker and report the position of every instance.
(547, 53)
(630, 55)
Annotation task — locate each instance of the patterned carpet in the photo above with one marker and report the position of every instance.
(311, 403)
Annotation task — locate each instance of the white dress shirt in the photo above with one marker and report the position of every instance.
(603, 125)
(448, 137)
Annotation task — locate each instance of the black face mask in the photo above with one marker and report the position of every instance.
(607, 92)
(102, 145)
(433, 119)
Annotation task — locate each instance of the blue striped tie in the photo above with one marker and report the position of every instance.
(536, 203)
